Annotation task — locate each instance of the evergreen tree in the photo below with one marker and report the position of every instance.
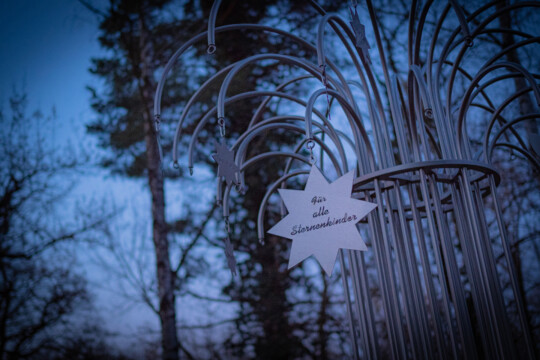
(140, 37)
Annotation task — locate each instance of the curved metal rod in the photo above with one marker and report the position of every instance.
(380, 48)
(272, 121)
(447, 48)
(262, 106)
(233, 99)
(399, 123)
(192, 100)
(371, 109)
(449, 44)
(465, 103)
(263, 156)
(434, 164)
(511, 48)
(410, 29)
(283, 58)
(493, 80)
(254, 132)
(334, 21)
(434, 93)
(348, 109)
(345, 34)
(496, 115)
(299, 146)
(415, 74)
(505, 103)
(225, 28)
(243, 141)
(524, 152)
(271, 189)
(480, 88)
(489, 154)
(462, 21)
(212, 27)
(502, 121)
(479, 28)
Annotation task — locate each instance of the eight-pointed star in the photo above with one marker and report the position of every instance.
(322, 219)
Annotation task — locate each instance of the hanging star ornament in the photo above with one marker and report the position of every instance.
(229, 254)
(322, 219)
(227, 168)
(360, 35)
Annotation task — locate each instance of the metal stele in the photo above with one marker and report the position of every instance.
(322, 219)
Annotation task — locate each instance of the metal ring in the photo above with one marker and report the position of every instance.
(221, 124)
(211, 49)
(310, 144)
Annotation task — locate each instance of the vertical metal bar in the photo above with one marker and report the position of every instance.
(505, 335)
(460, 306)
(352, 325)
(395, 313)
(366, 301)
(520, 303)
(439, 262)
(428, 277)
(470, 257)
(494, 344)
(361, 315)
(414, 278)
(405, 286)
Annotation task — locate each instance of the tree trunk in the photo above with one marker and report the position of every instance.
(165, 276)
(526, 105)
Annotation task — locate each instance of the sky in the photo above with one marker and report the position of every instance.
(46, 49)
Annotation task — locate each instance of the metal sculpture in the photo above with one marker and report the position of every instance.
(414, 159)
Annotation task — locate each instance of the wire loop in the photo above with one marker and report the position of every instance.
(221, 124)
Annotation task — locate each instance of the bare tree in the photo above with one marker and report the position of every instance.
(40, 292)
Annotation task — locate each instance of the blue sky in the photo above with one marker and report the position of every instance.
(46, 48)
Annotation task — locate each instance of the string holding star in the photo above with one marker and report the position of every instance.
(322, 219)
(360, 36)
(227, 168)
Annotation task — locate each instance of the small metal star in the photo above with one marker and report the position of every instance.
(360, 35)
(227, 168)
(229, 254)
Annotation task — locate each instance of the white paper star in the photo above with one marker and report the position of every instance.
(322, 219)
